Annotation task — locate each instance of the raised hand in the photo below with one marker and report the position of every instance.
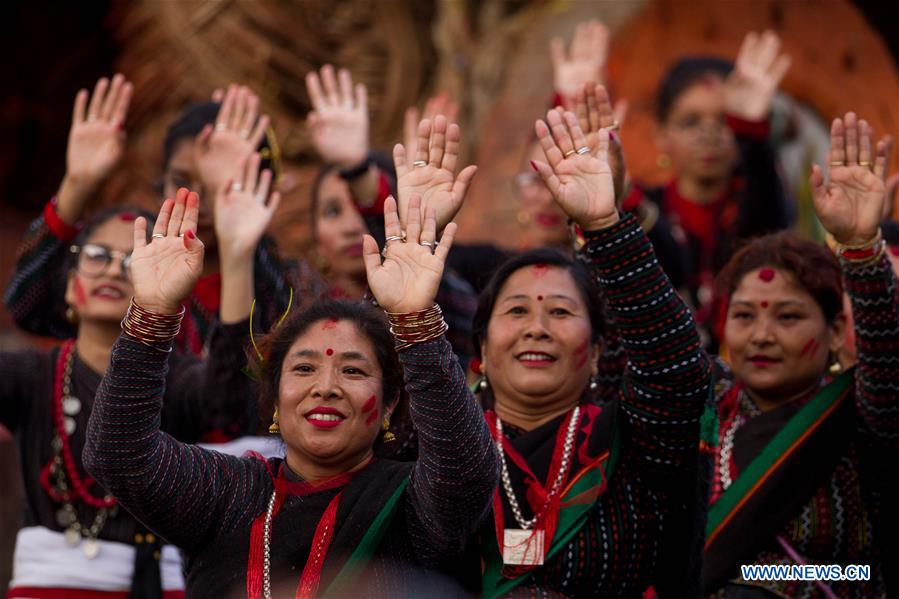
(244, 209)
(850, 204)
(96, 143)
(165, 270)
(236, 134)
(441, 103)
(338, 121)
(585, 62)
(758, 71)
(408, 279)
(431, 173)
(580, 182)
(594, 113)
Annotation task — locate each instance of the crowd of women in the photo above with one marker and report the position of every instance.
(665, 386)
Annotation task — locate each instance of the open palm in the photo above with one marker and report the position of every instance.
(581, 183)
(97, 136)
(244, 209)
(339, 119)
(410, 274)
(432, 174)
(850, 204)
(165, 270)
(758, 71)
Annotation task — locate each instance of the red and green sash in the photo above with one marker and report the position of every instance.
(578, 497)
(778, 481)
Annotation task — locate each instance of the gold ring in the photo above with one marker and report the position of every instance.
(836, 163)
(569, 153)
(864, 163)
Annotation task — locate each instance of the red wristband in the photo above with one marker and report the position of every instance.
(60, 228)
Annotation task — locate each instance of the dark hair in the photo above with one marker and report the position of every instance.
(549, 257)
(101, 217)
(890, 231)
(274, 347)
(190, 123)
(682, 75)
(812, 265)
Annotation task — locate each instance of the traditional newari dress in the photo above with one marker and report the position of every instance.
(813, 481)
(621, 469)
(77, 541)
(36, 288)
(252, 528)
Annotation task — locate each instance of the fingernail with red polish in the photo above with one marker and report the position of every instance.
(534, 166)
(190, 234)
(613, 136)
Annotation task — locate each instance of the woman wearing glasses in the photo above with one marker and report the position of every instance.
(712, 136)
(76, 540)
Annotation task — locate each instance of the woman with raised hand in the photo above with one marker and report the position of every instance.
(329, 518)
(77, 540)
(713, 124)
(202, 149)
(803, 450)
(586, 491)
(342, 211)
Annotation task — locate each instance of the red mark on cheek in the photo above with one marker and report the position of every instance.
(766, 275)
(764, 304)
(369, 404)
(372, 418)
(80, 295)
(581, 354)
(329, 324)
(810, 348)
(539, 270)
(329, 352)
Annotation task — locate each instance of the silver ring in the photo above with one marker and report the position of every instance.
(91, 118)
(432, 245)
(221, 127)
(393, 238)
(158, 236)
(420, 163)
(583, 150)
(245, 134)
(236, 187)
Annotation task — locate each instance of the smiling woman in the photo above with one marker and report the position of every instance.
(329, 518)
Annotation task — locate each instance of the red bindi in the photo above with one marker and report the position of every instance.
(764, 304)
(766, 275)
(369, 404)
(329, 324)
(329, 352)
(539, 270)
(539, 298)
(127, 217)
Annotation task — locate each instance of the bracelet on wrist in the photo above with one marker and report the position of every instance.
(410, 328)
(862, 254)
(150, 328)
(354, 172)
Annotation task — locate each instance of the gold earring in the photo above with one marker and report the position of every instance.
(275, 428)
(71, 315)
(385, 426)
(835, 367)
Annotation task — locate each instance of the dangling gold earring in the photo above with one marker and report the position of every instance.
(835, 367)
(385, 426)
(71, 315)
(663, 161)
(275, 428)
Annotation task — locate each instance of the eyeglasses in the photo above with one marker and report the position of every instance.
(94, 259)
